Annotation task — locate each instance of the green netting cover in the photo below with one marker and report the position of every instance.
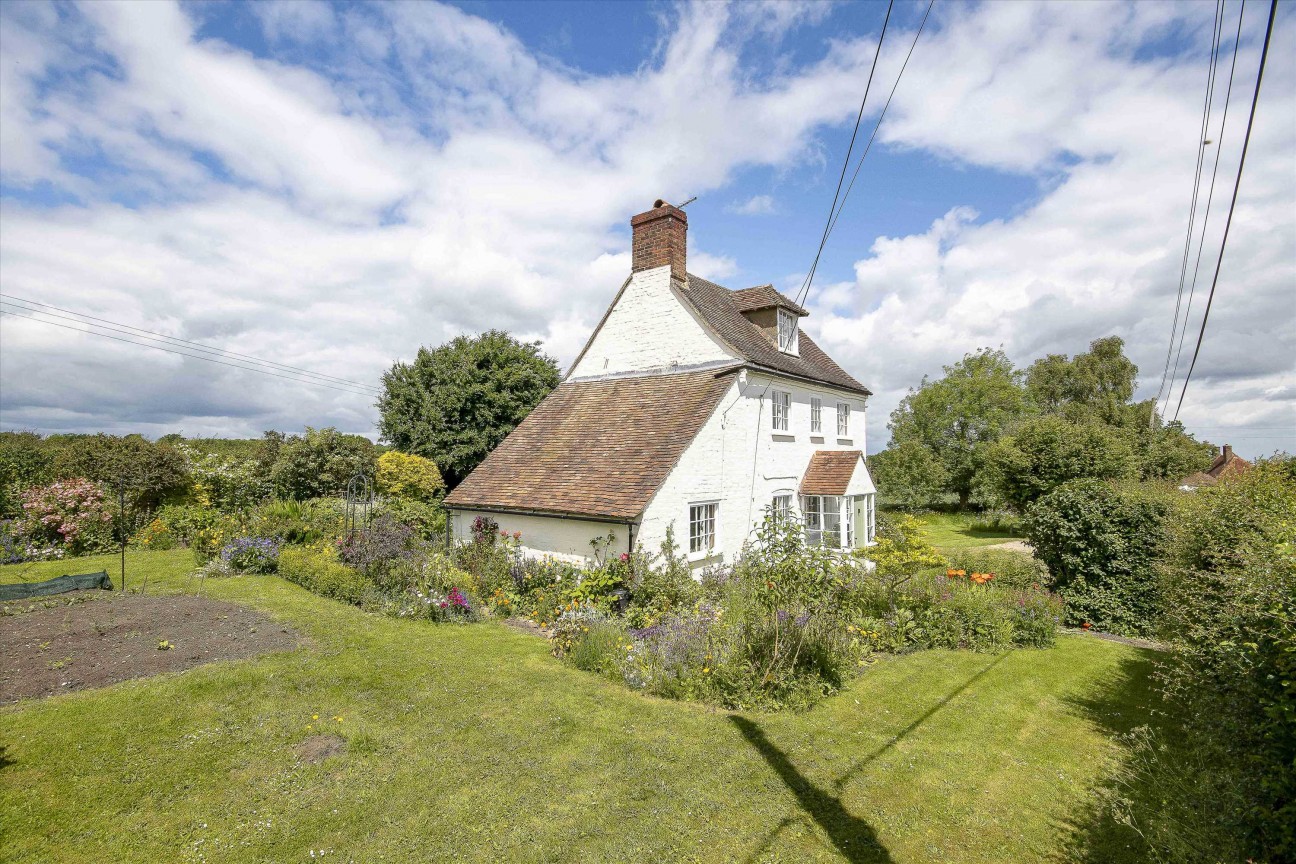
(57, 585)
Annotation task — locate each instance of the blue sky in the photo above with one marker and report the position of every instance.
(331, 185)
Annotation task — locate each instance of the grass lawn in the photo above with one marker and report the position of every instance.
(472, 743)
(954, 531)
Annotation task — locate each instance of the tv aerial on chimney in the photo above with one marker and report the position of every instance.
(686, 203)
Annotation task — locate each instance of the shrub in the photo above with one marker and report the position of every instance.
(25, 462)
(300, 522)
(208, 540)
(320, 463)
(224, 482)
(375, 549)
(73, 514)
(1100, 542)
(251, 554)
(156, 535)
(320, 572)
(148, 472)
(1230, 613)
(661, 586)
(176, 524)
(408, 477)
(602, 648)
(427, 519)
(1012, 569)
(16, 546)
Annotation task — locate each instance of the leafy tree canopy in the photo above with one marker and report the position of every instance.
(1098, 383)
(320, 463)
(908, 475)
(145, 470)
(973, 404)
(1045, 452)
(455, 403)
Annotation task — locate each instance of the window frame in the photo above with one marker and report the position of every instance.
(817, 515)
(710, 513)
(816, 415)
(843, 419)
(781, 409)
(781, 507)
(789, 338)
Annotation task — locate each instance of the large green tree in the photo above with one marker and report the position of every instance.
(1044, 452)
(908, 476)
(956, 415)
(1098, 383)
(455, 403)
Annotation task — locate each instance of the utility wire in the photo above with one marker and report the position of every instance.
(1237, 183)
(1216, 30)
(1192, 289)
(139, 332)
(805, 286)
(878, 124)
(183, 354)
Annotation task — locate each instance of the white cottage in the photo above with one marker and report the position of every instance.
(691, 406)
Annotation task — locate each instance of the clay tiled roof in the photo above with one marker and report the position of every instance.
(1227, 463)
(717, 307)
(595, 448)
(829, 472)
(763, 297)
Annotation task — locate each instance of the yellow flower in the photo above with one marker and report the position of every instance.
(314, 716)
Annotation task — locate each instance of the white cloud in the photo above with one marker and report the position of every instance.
(444, 178)
(757, 205)
(1100, 252)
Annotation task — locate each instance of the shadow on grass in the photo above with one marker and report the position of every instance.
(1123, 703)
(5, 761)
(853, 837)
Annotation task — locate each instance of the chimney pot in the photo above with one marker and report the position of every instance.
(660, 238)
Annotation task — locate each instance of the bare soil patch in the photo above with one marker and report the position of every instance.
(83, 645)
(317, 748)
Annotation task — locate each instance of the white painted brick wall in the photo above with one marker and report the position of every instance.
(739, 460)
(649, 330)
(564, 539)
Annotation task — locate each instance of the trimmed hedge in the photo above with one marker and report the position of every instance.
(1101, 542)
(319, 572)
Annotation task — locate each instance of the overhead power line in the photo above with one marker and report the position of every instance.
(1217, 28)
(1237, 183)
(139, 332)
(881, 117)
(260, 371)
(805, 287)
(1201, 244)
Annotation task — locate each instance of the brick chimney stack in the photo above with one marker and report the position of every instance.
(660, 237)
(1228, 453)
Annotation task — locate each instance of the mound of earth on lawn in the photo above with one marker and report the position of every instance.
(84, 645)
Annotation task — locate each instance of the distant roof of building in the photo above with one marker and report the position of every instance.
(598, 449)
(721, 310)
(830, 471)
(1226, 463)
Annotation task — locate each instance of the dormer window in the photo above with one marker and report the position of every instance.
(787, 331)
